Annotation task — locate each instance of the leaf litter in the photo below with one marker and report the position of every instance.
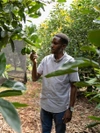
(30, 115)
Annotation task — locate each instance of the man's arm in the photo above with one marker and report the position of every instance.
(73, 95)
(35, 75)
(68, 114)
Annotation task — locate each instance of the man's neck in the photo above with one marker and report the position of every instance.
(58, 56)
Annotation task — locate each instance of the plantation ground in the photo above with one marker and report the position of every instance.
(30, 115)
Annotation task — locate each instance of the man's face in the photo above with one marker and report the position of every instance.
(56, 45)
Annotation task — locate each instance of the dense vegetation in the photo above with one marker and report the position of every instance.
(76, 23)
(81, 23)
(12, 16)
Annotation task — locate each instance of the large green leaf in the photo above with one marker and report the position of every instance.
(10, 115)
(14, 85)
(2, 63)
(92, 124)
(12, 45)
(81, 63)
(28, 41)
(70, 67)
(35, 7)
(82, 84)
(60, 72)
(19, 105)
(94, 37)
(90, 82)
(89, 94)
(84, 62)
(96, 97)
(10, 93)
(94, 118)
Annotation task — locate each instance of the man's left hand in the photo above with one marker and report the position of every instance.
(67, 116)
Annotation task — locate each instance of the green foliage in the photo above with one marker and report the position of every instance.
(94, 37)
(75, 22)
(13, 84)
(18, 105)
(13, 14)
(6, 108)
(10, 93)
(31, 38)
(92, 124)
(2, 64)
(10, 115)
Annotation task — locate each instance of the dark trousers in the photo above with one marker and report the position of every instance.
(47, 119)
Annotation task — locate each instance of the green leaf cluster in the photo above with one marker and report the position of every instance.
(13, 14)
(15, 88)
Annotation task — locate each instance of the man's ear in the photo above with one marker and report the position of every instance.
(64, 46)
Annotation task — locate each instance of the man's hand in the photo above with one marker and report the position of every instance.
(67, 116)
(33, 57)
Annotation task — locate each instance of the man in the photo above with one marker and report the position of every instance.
(58, 93)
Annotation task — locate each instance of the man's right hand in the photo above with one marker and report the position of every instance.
(33, 57)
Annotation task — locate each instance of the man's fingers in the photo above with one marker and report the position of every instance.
(33, 56)
(65, 120)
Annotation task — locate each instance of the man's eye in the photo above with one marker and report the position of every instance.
(55, 43)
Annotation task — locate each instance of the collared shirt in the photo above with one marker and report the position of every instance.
(55, 95)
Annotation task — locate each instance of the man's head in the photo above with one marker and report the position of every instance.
(59, 43)
(63, 38)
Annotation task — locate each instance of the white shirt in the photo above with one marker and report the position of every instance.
(55, 95)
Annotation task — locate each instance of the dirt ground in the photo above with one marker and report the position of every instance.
(30, 115)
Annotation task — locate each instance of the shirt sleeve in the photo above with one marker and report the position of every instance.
(74, 77)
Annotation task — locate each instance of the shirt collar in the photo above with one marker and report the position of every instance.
(58, 60)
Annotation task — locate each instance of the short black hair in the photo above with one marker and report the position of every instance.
(64, 38)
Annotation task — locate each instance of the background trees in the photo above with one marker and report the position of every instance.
(75, 22)
(12, 17)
